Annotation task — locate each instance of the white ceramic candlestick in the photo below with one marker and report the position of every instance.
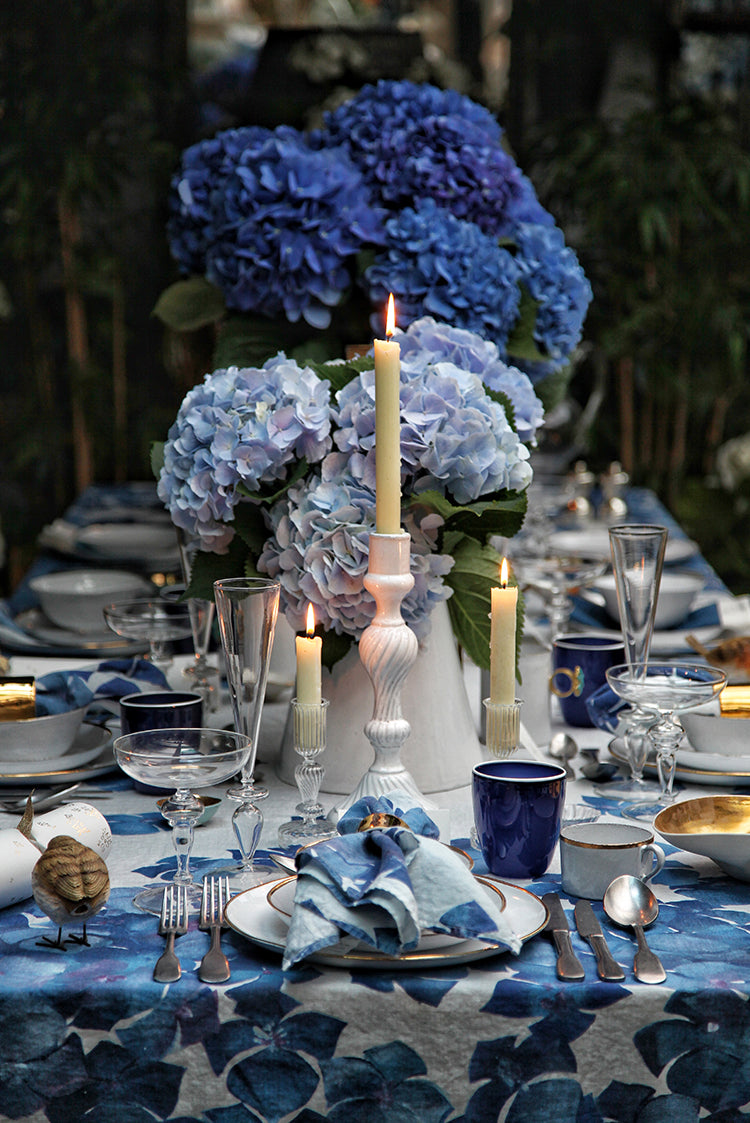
(388, 649)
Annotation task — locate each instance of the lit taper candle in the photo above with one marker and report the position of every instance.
(503, 640)
(309, 649)
(387, 429)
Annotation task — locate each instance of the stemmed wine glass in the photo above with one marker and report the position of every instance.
(661, 691)
(246, 608)
(182, 759)
(204, 673)
(557, 577)
(155, 621)
(637, 561)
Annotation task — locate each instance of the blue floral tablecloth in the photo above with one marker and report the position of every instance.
(87, 1033)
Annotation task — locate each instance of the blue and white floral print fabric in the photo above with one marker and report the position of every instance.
(105, 683)
(382, 887)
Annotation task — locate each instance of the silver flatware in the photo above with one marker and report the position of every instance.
(631, 903)
(590, 929)
(568, 965)
(214, 967)
(172, 922)
(41, 801)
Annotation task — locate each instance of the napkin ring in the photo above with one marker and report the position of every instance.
(17, 698)
(381, 820)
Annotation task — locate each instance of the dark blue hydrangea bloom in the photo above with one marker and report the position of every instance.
(552, 273)
(375, 112)
(436, 264)
(204, 168)
(288, 221)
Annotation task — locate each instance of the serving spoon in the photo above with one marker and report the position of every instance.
(629, 902)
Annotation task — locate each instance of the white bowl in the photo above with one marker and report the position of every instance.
(39, 738)
(716, 826)
(717, 733)
(75, 598)
(677, 591)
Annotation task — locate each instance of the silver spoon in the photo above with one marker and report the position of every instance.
(562, 747)
(629, 902)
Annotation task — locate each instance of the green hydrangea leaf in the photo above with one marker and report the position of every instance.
(502, 515)
(189, 305)
(476, 570)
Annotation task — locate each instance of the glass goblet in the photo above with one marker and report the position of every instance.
(246, 609)
(663, 690)
(154, 621)
(557, 577)
(181, 759)
(203, 674)
(637, 551)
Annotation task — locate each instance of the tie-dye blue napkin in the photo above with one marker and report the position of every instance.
(383, 887)
(105, 682)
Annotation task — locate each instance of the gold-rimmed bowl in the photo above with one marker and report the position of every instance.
(715, 826)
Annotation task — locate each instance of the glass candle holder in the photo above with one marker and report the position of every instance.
(309, 725)
(503, 726)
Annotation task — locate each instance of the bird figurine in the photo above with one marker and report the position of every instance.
(70, 883)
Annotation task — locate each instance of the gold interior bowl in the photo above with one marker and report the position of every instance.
(716, 826)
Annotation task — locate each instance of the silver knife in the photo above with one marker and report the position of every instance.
(590, 928)
(568, 965)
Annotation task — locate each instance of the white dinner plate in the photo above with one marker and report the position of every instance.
(99, 766)
(728, 777)
(712, 762)
(88, 744)
(36, 625)
(251, 915)
(595, 541)
(669, 642)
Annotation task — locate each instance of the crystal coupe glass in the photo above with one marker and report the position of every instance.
(661, 691)
(181, 759)
(246, 609)
(154, 621)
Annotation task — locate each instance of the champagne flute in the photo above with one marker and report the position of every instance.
(637, 561)
(246, 609)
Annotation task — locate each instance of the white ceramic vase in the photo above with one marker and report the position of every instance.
(443, 744)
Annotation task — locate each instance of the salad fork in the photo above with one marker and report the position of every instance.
(172, 922)
(214, 967)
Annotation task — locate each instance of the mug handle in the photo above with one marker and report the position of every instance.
(575, 678)
(656, 856)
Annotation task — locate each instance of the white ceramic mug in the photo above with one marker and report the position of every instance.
(594, 854)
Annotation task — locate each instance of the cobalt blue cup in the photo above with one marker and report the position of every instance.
(518, 806)
(579, 667)
(160, 709)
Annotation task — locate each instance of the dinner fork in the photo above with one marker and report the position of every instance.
(172, 922)
(214, 967)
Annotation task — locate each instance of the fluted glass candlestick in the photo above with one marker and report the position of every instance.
(503, 727)
(309, 723)
(388, 649)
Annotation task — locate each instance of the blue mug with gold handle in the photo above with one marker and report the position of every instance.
(579, 667)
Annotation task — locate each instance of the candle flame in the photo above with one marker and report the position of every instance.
(310, 620)
(390, 317)
(504, 574)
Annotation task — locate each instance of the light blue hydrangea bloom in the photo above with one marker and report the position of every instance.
(454, 437)
(428, 341)
(240, 429)
(319, 551)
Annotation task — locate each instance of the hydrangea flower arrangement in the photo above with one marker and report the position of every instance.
(406, 189)
(272, 468)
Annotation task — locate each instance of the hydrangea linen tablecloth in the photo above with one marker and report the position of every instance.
(87, 1033)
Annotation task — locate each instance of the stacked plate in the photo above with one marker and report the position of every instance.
(262, 915)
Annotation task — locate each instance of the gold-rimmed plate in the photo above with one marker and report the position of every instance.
(251, 915)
